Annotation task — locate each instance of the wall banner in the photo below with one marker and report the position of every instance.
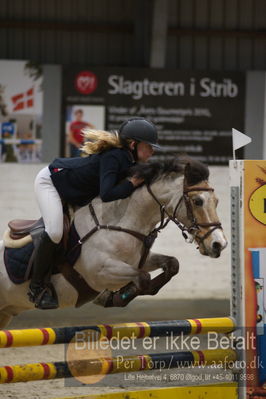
(255, 258)
(194, 111)
(248, 249)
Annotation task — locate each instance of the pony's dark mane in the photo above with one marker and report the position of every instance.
(194, 171)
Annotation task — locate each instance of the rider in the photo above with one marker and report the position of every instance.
(77, 181)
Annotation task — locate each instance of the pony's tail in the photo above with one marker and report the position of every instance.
(97, 141)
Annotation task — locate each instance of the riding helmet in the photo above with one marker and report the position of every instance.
(139, 129)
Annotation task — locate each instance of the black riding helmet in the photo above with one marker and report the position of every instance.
(139, 129)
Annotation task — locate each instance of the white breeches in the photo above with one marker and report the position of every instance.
(50, 205)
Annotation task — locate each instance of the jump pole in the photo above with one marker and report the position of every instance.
(52, 336)
(114, 365)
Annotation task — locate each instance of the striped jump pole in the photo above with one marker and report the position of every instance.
(50, 336)
(118, 364)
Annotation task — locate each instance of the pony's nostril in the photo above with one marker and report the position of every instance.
(216, 246)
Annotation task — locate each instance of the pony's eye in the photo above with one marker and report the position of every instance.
(198, 201)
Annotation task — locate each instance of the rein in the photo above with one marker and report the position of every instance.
(149, 239)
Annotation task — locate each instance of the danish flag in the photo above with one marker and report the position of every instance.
(23, 100)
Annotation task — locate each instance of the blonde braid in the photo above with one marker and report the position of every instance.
(99, 140)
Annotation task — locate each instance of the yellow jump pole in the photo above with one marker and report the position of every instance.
(49, 336)
(118, 364)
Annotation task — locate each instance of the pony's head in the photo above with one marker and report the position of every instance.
(195, 207)
(201, 215)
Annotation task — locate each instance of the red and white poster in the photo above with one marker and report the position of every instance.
(21, 108)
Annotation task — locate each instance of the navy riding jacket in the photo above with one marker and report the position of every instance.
(79, 180)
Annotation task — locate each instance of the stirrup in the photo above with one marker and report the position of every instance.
(44, 297)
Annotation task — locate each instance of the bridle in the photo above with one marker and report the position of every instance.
(195, 226)
(149, 239)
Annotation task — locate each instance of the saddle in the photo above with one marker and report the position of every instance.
(19, 229)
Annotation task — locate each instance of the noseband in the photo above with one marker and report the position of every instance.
(195, 226)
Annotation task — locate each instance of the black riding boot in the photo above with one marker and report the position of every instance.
(41, 292)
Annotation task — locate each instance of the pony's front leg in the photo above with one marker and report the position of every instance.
(118, 272)
(170, 266)
(145, 286)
